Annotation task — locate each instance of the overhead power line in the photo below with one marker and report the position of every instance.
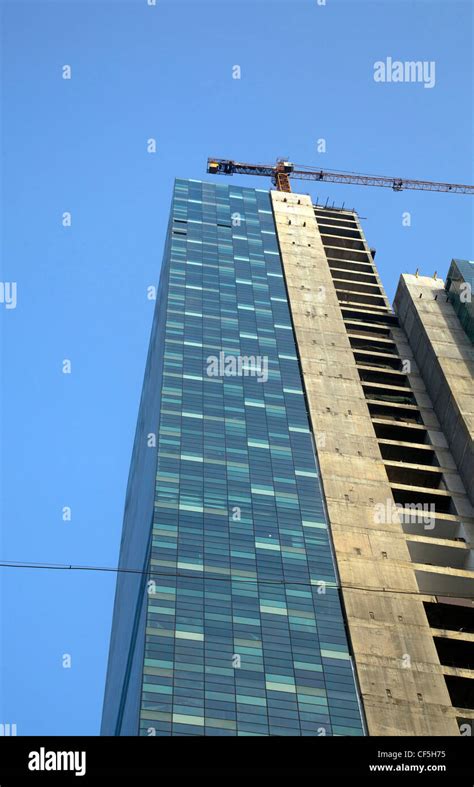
(176, 574)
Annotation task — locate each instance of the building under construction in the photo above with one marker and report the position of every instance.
(305, 540)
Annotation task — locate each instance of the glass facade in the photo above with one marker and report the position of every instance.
(460, 284)
(242, 631)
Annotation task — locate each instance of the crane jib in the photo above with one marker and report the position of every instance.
(283, 171)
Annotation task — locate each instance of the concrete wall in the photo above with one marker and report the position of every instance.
(401, 680)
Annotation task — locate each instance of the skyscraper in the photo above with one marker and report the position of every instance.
(286, 498)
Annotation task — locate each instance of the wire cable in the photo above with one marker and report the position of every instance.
(177, 574)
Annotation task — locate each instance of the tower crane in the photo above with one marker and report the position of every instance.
(281, 172)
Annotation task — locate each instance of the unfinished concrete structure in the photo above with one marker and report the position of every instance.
(445, 355)
(400, 515)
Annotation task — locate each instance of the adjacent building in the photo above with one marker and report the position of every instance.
(439, 323)
(296, 544)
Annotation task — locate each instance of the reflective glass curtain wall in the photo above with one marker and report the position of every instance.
(244, 629)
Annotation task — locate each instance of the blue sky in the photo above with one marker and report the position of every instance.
(79, 145)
